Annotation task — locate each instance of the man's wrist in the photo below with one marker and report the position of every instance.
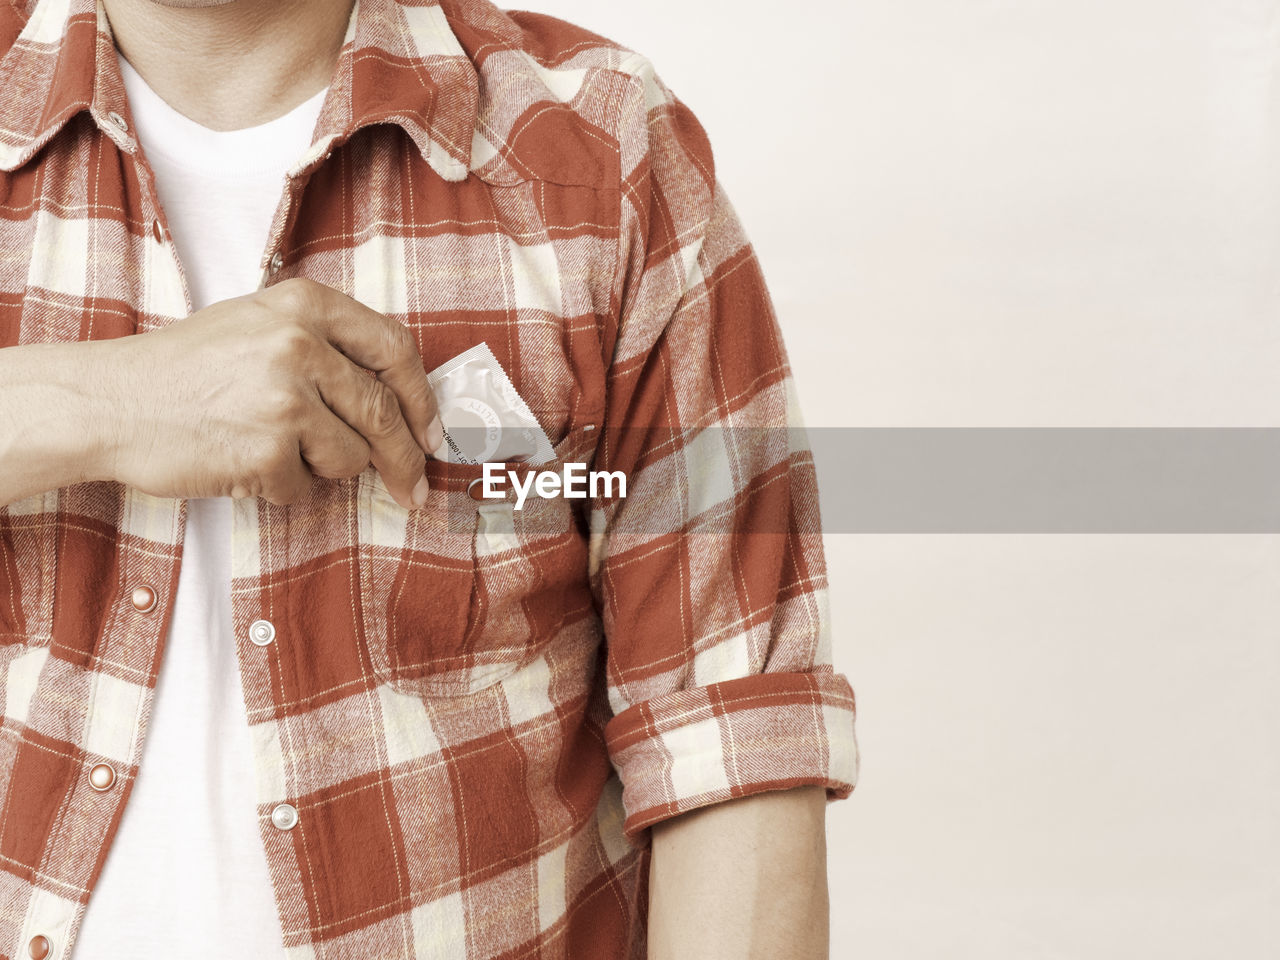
(99, 364)
(63, 422)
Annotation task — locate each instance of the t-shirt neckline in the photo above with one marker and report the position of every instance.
(165, 132)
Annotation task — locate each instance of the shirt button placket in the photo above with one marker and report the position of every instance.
(284, 816)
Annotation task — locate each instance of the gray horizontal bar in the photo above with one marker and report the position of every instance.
(1048, 480)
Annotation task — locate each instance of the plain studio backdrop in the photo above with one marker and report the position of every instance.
(1040, 213)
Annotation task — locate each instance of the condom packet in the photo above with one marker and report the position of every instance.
(484, 419)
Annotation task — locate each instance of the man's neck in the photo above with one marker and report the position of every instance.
(236, 64)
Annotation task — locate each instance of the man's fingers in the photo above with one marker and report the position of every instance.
(332, 449)
(370, 408)
(376, 343)
(286, 478)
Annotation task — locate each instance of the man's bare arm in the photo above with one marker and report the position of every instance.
(54, 417)
(254, 396)
(744, 879)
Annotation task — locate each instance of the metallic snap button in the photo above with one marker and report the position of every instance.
(284, 816)
(118, 121)
(156, 229)
(38, 948)
(101, 777)
(262, 632)
(277, 261)
(144, 599)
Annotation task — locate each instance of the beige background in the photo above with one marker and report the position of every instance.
(1031, 213)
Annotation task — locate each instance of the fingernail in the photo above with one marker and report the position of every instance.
(435, 435)
(420, 491)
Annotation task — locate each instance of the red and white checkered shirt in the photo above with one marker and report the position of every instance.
(475, 712)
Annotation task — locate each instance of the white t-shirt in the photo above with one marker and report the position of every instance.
(186, 876)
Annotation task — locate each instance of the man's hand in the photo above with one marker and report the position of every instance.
(742, 880)
(255, 396)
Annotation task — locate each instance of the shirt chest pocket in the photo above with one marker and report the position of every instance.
(462, 593)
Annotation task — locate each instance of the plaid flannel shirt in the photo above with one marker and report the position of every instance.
(476, 713)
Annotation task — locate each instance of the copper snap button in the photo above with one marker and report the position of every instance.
(475, 490)
(144, 599)
(155, 228)
(101, 777)
(38, 947)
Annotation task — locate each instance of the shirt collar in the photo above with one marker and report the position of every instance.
(399, 64)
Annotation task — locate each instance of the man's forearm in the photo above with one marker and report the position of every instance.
(743, 879)
(55, 414)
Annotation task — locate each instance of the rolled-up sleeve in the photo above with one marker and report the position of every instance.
(709, 573)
